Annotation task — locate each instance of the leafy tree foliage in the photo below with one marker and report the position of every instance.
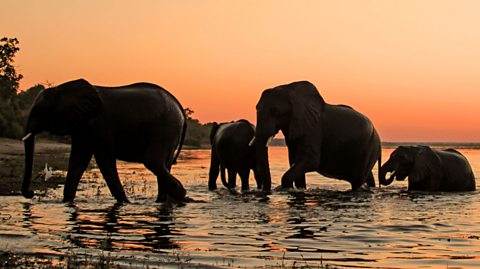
(14, 113)
(10, 125)
(9, 78)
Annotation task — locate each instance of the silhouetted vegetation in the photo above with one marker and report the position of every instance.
(13, 106)
(9, 78)
(198, 134)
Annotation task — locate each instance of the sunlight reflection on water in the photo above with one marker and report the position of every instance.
(387, 227)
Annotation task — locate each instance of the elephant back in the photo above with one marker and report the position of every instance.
(236, 134)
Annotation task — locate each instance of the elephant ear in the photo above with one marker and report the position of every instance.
(307, 108)
(427, 165)
(78, 102)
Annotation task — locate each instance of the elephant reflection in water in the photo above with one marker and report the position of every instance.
(429, 169)
(123, 228)
(109, 228)
(141, 123)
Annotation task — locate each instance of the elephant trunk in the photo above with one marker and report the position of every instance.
(253, 164)
(263, 169)
(383, 172)
(29, 143)
(34, 126)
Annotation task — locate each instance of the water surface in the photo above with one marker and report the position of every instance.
(326, 224)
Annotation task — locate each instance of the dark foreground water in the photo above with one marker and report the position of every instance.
(326, 225)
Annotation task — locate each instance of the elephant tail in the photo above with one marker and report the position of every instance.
(180, 145)
(379, 166)
(223, 177)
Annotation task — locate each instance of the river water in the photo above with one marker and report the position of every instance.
(325, 225)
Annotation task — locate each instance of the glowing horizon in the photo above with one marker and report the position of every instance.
(410, 66)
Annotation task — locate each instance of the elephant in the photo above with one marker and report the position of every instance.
(333, 140)
(231, 151)
(141, 123)
(428, 169)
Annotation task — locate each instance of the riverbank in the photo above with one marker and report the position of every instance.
(12, 159)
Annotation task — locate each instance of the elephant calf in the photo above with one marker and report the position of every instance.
(429, 169)
(231, 151)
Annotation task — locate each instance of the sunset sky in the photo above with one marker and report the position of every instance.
(412, 67)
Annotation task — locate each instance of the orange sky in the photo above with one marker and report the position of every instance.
(413, 67)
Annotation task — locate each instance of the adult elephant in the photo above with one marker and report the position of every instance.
(141, 123)
(429, 169)
(230, 151)
(334, 140)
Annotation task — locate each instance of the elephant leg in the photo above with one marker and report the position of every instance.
(370, 180)
(257, 178)
(158, 159)
(300, 181)
(356, 184)
(166, 182)
(362, 174)
(80, 157)
(232, 178)
(244, 175)
(358, 181)
(214, 171)
(108, 166)
(296, 171)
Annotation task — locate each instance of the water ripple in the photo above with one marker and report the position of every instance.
(326, 224)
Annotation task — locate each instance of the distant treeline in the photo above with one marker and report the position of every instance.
(198, 134)
(14, 113)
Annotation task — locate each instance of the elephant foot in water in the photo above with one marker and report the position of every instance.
(174, 200)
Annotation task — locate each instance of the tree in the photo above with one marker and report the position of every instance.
(10, 125)
(9, 78)
(189, 112)
(197, 134)
(10, 120)
(14, 113)
(24, 101)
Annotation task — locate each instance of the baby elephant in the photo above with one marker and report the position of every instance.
(429, 169)
(231, 151)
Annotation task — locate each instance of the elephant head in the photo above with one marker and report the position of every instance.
(60, 110)
(418, 163)
(294, 109)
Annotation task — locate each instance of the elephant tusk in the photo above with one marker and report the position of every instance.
(26, 137)
(269, 141)
(393, 175)
(251, 142)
